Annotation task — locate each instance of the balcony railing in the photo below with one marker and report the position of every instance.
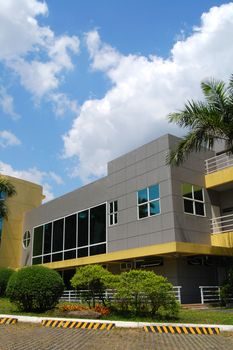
(222, 224)
(219, 162)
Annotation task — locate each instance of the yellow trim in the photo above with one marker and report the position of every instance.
(222, 239)
(171, 249)
(219, 177)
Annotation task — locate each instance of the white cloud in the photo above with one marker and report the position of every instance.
(7, 103)
(144, 90)
(33, 51)
(34, 175)
(61, 103)
(7, 138)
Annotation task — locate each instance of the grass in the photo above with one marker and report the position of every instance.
(209, 316)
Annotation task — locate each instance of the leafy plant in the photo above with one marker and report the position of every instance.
(5, 274)
(35, 288)
(226, 291)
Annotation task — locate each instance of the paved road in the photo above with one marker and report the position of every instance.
(34, 337)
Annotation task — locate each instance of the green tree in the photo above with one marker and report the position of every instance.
(93, 278)
(35, 288)
(7, 190)
(5, 274)
(207, 121)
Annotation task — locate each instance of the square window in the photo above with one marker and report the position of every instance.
(113, 212)
(193, 197)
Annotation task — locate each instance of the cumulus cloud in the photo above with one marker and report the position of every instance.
(7, 103)
(34, 175)
(32, 51)
(7, 138)
(144, 90)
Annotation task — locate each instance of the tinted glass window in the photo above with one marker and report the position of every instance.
(37, 241)
(71, 254)
(83, 228)
(199, 208)
(142, 196)
(82, 252)
(154, 208)
(70, 232)
(47, 238)
(46, 258)
(57, 257)
(98, 249)
(188, 206)
(58, 235)
(36, 261)
(143, 211)
(98, 224)
(153, 192)
(187, 190)
(198, 193)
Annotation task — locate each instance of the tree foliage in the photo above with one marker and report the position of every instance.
(5, 274)
(206, 121)
(94, 279)
(8, 189)
(35, 288)
(226, 291)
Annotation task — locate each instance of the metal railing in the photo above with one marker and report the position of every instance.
(210, 294)
(219, 162)
(222, 224)
(109, 294)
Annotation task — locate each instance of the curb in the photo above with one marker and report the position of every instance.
(182, 330)
(120, 324)
(8, 320)
(75, 324)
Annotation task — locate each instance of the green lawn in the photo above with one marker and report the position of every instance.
(210, 316)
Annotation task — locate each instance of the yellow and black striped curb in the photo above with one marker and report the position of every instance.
(75, 324)
(182, 330)
(7, 320)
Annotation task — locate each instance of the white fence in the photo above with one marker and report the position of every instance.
(222, 224)
(219, 162)
(78, 296)
(210, 294)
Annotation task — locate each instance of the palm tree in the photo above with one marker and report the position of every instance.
(6, 190)
(207, 122)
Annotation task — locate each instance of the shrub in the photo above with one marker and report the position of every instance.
(226, 291)
(93, 278)
(5, 274)
(144, 291)
(35, 288)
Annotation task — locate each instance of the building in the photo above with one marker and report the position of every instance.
(176, 221)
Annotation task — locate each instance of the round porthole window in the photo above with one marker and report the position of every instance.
(26, 239)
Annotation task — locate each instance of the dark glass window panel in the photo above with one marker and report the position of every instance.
(111, 219)
(82, 252)
(46, 258)
(143, 211)
(111, 207)
(153, 192)
(187, 191)
(115, 206)
(98, 224)
(38, 240)
(115, 218)
(71, 254)
(188, 206)
(142, 196)
(58, 235)
(47, 238)
(154, 208)
(98, 249)
(199, 208)
(198, 194)
(70, 232)
(83, 228)
(57, 257)
(37, 260)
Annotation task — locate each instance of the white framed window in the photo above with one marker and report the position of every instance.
(26, 239)
(148, 200)
(193, 198)
(113, 213)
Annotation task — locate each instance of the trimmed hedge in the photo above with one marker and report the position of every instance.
(5, 274)
(35, 288)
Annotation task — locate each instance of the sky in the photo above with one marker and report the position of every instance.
(84, 81)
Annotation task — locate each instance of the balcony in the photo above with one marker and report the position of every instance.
(219, 171)
(222, 231)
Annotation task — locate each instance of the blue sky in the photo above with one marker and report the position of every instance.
(78, 76)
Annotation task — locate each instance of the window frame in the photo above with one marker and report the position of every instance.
(27, 239)
(113, 213)
(148, 202)
(194, 200)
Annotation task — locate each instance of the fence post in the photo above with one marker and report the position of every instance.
(202, 295)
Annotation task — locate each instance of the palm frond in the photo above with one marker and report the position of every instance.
(7, 187)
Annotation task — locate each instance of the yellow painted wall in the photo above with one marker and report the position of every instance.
(219, 177)
(222, 239)
(29, 196)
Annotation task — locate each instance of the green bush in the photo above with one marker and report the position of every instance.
(145, 292)
(5, 274)
(35, 288)
(94, 279)
(226, 291)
